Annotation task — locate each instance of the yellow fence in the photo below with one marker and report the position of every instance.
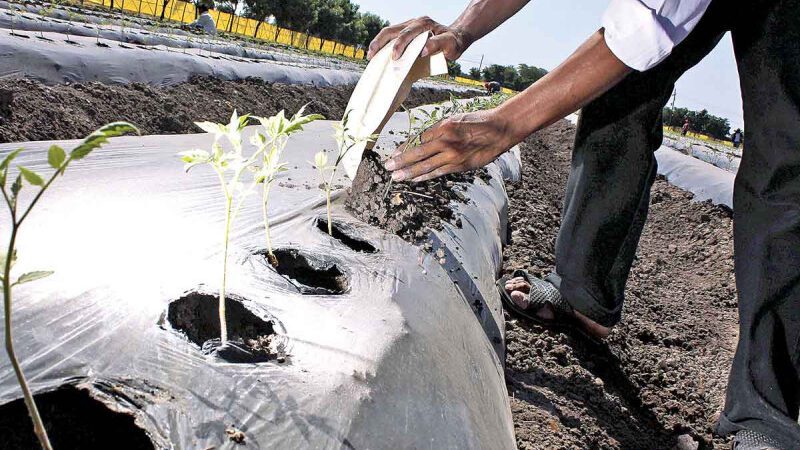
(184, 12)
(700, 136)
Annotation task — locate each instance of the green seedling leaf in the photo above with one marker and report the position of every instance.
(213, 128)
(31, 176)
(194, 157)
(5, 164)
(100, 137)
(10, 157)
(297, 123)
(56, 156)
(16, 186)
(32, 276)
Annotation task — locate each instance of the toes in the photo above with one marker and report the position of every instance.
(520, 299)
(518, 284)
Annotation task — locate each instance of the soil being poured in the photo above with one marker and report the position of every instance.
(409, 210)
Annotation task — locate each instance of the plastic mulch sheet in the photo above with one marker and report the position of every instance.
(382, 346)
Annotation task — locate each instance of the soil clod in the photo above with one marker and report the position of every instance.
(73, 419)
(409, 210)
(251, 339)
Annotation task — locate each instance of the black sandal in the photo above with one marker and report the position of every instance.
(543, 293)
(750, 440)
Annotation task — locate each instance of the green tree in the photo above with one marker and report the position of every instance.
(373, 24)
(475, 73)
(699, 121)
(351, 29)
(505, 75)
(454, 69)
(527, 76)
(258, 10)
(329, 15)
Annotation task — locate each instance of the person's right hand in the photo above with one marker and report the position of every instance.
(452, 41)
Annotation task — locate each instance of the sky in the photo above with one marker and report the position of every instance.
(545, 32)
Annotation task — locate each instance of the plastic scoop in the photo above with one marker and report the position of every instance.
(383, 86)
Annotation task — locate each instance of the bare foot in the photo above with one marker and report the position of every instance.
(518, 289)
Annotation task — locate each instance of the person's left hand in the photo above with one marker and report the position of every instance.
(457, 144)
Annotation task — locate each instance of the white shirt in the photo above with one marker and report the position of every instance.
(206, 23)
(641, 33)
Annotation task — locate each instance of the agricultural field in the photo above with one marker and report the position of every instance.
(192, 268)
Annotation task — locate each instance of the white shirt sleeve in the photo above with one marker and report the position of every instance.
(641, 33)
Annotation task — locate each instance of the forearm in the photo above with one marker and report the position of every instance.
(482, 16)
(585, 75)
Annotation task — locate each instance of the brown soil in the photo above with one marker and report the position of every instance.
(250, 337)
(73, 419)
(408, 210)
(659, 381)
(30, 110)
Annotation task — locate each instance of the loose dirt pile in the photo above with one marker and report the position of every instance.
(31, 111)
(409, 210)
(659, 382)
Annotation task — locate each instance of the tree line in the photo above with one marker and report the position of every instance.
(335, 20)
(699, 122)
(513, 77)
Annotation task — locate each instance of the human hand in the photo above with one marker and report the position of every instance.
(457, 144)
(450, 40)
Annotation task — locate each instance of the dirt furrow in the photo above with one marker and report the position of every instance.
(659, 381)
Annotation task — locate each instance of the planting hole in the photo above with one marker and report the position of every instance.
(73, 419)
(347, 237)
(310, 275)
(251, 338)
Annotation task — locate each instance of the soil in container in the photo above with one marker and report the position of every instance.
(409, 210)
(346, 237)
(73, 419)
(310, 275)
(251, 338)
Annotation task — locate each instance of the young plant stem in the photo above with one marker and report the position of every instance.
(264, 206)
(33, 411)
(328, 186)
(223, 325)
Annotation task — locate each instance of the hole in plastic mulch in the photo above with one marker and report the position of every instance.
(310, 275)
(346, 237)
(251, 339)
(73, 419)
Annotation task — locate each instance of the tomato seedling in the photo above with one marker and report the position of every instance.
(271, 146)
(345, 141)
(58, 159)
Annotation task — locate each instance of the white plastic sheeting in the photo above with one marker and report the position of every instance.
(406, 358)
(723, 157)
(56, 61)
(704, 180)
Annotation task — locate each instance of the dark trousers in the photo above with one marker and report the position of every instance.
(613, 169)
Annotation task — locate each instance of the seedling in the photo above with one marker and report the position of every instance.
(58, 160)
(271, 146)
(229, 167)
(327, 172)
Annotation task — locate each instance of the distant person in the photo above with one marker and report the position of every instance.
(204, 22)
(737, 138)
(492, 87)
(685, 127)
